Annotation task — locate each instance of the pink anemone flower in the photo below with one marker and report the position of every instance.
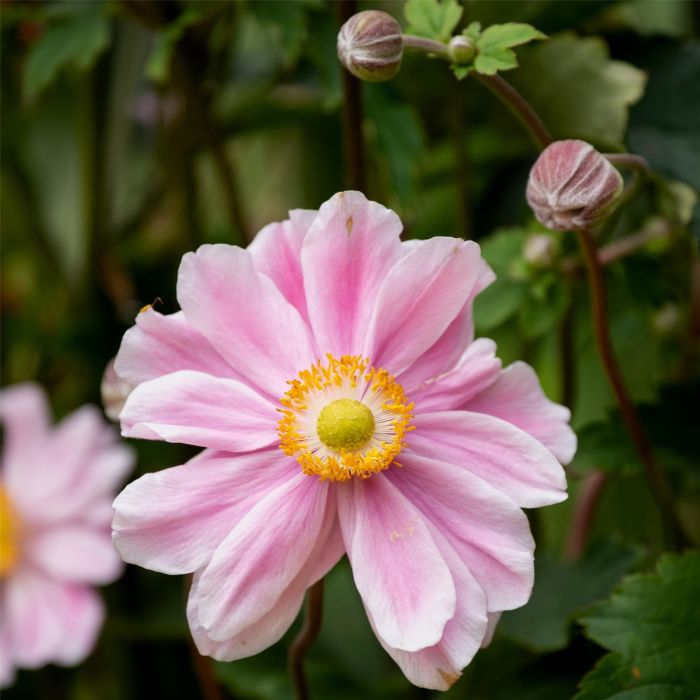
(331, 373)
(56, 489)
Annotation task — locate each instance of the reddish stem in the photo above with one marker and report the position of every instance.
(306, 637)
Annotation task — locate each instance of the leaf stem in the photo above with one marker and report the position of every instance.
(306, 637)
(584, 512)
(659, 487)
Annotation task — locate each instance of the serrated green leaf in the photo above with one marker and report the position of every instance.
(432, 18)
(462, 72)
(473, 31)
(577, 90)
(500, 36)
(651, 624)
(72, 39)
(495, 42)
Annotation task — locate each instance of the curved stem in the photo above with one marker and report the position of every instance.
(641, 173)
(518, 106)
(584, 510)
(419, 43)
(660, 489)
(306, 637)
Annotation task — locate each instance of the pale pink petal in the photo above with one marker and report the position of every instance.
(24, 415)
(81, 613)
(30, 614)
(485, 527)
(346, 255)
(272, 625)
(276, 252)
(517, 397)
(477, 368)
(399, 571)
(198, 409)
(421, 296)
(261, 556)
(452, 344)
(173, 520)
(438, 667)
(244, 316)
(159, 344)
(75, 553)
(493, 620)
(504, 456)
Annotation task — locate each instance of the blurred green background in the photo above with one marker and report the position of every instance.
(134, 131)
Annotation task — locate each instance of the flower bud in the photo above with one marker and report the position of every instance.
(461, 50)
(370, 46)
(572, 186)
(541, 250)
(114, 392)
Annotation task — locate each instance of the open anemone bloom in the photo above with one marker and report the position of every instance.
(56, 492)
(330, 372)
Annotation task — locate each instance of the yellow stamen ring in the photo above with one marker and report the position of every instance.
(344, 418)
(9, 526)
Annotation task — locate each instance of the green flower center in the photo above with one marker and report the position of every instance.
(345, 424)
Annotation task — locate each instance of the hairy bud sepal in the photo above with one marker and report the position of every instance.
(461, 50)
(572, 186)
(370, 46)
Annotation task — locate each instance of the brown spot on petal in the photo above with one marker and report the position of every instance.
(449, 678)
(348, 225)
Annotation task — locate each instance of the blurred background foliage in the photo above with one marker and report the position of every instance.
(134, 131)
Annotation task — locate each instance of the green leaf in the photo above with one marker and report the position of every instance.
(432, 18)
(495, 42)
(562, 590)
(285, 22)
(72, 39)
(462, 72)
(577, 90)
(158, 64)
(651, 624)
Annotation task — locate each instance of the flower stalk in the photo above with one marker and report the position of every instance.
(306, 637)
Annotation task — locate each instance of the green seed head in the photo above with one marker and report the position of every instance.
(345, 424)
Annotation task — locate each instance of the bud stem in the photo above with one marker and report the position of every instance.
(306, 637)
(518, 106)
(419, 43)
(659, 487)
(641, 172)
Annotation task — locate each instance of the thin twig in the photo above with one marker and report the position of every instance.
(306, 637)
(657, 482)
(584, 510)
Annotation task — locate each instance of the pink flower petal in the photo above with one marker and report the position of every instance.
(24, 414)
(440, 666)
(75, 553)
(173, 520)
(485, 527)
(276, 252)
(244, 316)
(517, 397)
(272, 625)
(493, 620)
(399, 571)
(477, 368)
(262, 556)
(504, 456)
(421, 296)
(346, 255)
(159, 344)
(198, 409)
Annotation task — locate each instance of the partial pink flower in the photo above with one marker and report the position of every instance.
(572, 186)
(330, 372)
(56, 488)
(113, 391)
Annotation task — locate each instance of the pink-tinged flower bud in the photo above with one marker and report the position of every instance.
(114, 392)
(461, 50)
(541, 250)
(572, 186)
(370, 46)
